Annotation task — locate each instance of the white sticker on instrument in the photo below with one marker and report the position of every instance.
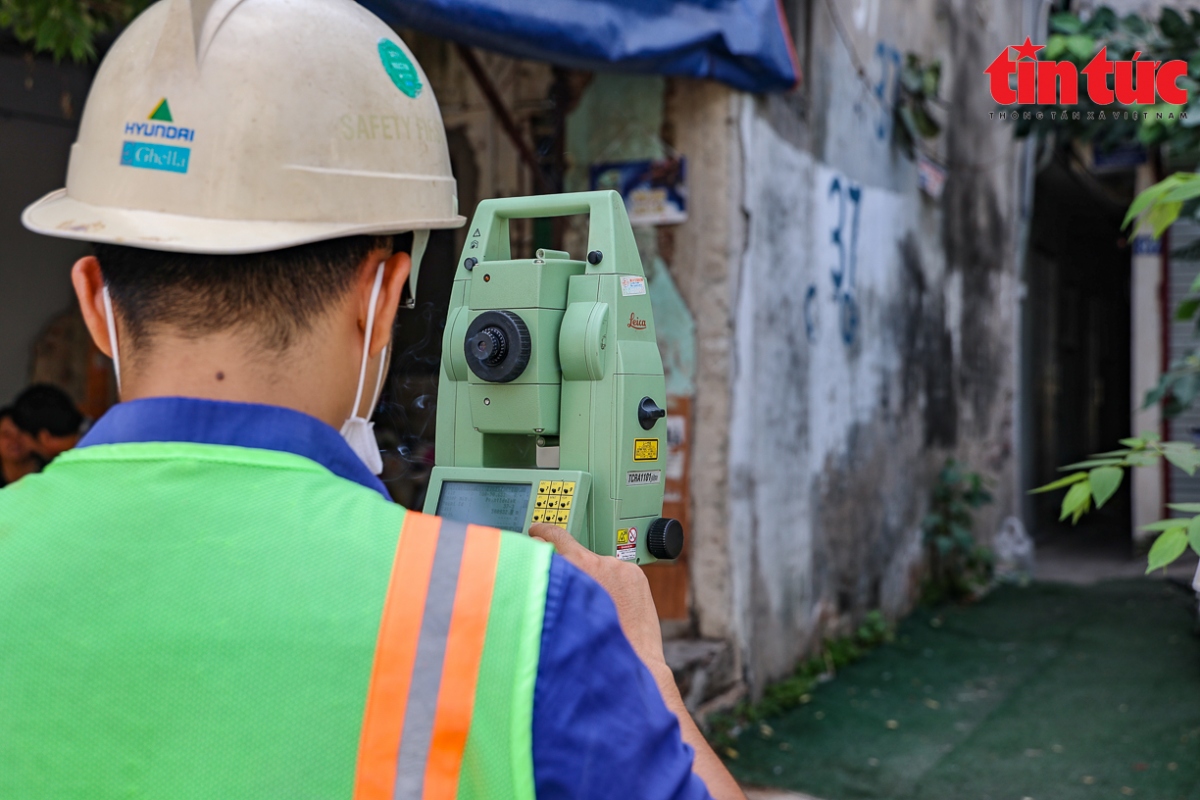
(643, 478)
(631, 285)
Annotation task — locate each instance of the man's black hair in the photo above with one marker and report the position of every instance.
(278, 294)
(43, 407)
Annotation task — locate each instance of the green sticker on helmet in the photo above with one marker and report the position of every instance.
(400, 68)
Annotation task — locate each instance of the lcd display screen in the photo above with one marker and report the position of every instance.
(497, 505)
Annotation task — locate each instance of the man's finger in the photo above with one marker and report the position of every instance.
(563, 542)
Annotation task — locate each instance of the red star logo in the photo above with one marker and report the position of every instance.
(1027, 50)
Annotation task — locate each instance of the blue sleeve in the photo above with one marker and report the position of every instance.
(600, 726)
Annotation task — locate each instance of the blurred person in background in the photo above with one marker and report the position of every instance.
(41, 423)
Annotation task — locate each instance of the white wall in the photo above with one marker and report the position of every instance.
(874, 326)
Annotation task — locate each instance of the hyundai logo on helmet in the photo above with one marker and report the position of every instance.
(155, 129)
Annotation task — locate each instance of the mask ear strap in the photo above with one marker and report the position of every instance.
(362, 371)
(420, 242)
(110, 321)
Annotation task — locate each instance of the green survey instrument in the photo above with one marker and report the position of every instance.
(552, 402)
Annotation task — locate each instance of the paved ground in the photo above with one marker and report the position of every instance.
(1049, 692)
(1082, 557)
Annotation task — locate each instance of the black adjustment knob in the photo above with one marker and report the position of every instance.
(595, 257)
(470, 263)
(664, 539)
(649, 413)
(498, 346)
(490, 346)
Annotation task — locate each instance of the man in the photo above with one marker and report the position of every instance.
(211, 596)
(40, 424)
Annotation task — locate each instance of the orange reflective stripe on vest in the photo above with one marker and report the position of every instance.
(431, 639)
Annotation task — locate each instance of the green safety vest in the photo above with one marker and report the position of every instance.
(203, 621)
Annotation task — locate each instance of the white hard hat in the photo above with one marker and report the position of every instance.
(241, 126)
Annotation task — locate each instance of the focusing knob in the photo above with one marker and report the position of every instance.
(490, 346)
(649, 413)
(498, 346)
(664, 539)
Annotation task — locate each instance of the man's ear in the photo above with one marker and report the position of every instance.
(89, 288)
(395, 276)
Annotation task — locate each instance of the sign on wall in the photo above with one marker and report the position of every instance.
(655, 191)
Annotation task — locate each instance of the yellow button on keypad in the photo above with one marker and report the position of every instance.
(556, 487)
(562, 517)
(565, 503)
(552, 502)
(539, 516)
(541, 501)
(568, 487)
(544, 487)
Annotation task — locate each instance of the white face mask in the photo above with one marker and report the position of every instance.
(359, 432)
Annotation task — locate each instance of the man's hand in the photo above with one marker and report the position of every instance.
(630, 591)
(625, 583)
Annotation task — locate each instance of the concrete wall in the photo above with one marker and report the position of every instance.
(39, 103)
(874, 328)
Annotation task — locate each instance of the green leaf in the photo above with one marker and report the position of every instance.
(1135, 443)
(1168, 547)
(1083, 509)
(931, 80)
(1187, 187)
(1194, 534)
(1056, 47)
(1187, 508)
(1112, 453)
(1143, 458)
(1060, 483)
(1173, 26)
(1149, 196)
(1105, 481)
(1162, 215)
(1187, 461)
(1081, 46)
(1094, 462)
(1066, 22)
(1187, 309)
(1161, 525)
(1079, 495)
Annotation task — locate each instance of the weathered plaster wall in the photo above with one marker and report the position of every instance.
(874, 328)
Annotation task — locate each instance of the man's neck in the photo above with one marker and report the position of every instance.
(221, 367)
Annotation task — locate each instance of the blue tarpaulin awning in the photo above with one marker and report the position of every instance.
(744, 43)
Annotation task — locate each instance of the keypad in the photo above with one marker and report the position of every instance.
(553, 503)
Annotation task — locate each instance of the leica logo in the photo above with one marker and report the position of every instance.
(1133, 82)
(637, 323)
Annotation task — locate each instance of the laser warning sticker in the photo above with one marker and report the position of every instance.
(645, 449)
(644, 478)
(399, 68)
(627, 544)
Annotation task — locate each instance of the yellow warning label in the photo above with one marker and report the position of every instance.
(645, 449)
(623, 536)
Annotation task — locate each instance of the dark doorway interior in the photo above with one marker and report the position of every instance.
(1077, 330)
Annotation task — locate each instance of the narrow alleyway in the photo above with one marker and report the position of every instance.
(1050, 692)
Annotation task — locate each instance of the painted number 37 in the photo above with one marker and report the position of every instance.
(843, 238)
